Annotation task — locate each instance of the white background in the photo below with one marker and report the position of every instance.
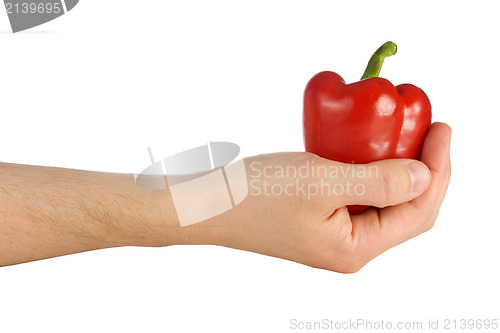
(92, 89)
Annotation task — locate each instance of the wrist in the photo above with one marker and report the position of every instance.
(155, 222)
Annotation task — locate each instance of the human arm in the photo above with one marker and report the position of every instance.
(47, 212)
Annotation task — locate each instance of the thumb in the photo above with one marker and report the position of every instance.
(382, 183)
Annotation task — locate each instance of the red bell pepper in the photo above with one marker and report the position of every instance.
(365, 121)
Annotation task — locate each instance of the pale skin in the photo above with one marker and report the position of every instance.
(48, 212)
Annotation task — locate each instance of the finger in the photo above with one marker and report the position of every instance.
(436, 155)
(380, 184)
(391, 226)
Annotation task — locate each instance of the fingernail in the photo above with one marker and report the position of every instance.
(420, 176)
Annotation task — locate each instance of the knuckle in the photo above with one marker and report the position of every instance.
(347, 256)
(350, 268)
(426, 218)
(386, 193)
(308, 157)
(429, 225)
(394, 182)
(352, 260)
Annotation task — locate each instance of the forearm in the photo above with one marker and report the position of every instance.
(47, 212)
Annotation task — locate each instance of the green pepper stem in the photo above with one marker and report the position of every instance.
(377, 60)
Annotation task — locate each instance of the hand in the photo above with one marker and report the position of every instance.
(314, 227)
(49, 212)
